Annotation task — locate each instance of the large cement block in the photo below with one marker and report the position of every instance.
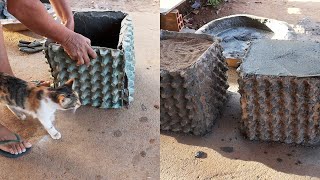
(280, 86)
(192, 96)
(109, 80)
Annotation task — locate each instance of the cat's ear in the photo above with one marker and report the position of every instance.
(69, 83)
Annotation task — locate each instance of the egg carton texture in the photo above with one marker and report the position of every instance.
(109, 80)
(280, 100)
(192, 98)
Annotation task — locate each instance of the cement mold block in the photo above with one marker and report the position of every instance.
(192, 98)
(238, 31)
(109, 80)
(279, 85)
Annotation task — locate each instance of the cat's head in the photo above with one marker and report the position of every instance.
(65, 97)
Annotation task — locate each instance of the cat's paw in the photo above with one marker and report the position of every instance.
(56, 135)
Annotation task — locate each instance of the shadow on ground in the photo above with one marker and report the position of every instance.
(227, 140)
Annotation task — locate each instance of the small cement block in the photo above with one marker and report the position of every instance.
(280, 86)
(192, 97)
(109, 80)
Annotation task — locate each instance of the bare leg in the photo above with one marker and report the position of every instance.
(4, 61)
(6, 134)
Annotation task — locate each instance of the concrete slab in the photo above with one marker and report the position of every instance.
(283, 58)
(279, 86)
(96, 143)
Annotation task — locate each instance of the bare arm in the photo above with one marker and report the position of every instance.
(33, 15)
(63, 10)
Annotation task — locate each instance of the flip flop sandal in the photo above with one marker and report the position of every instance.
(9, 155)
(30, 47)
(35, 43)
(31, 50)
(11, 141)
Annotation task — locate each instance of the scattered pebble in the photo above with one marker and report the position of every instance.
(143, 107)
(89, 129)
(143, 154)
(151, 141)
(279, 160)
(156, 106)
(227, 149)
(298, 162)
(99, 177)
(200, 154)
(117, 133)
(143, 119)
(289, 154)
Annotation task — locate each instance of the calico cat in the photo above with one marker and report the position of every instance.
(40, 102)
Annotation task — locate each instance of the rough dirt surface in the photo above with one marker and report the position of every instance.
(96, 143)
(176, 54)
(284, 10)
(229, 155)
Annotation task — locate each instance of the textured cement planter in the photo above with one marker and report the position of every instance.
(238, 31)
(109, 80)
(192, 98)
(280, 87)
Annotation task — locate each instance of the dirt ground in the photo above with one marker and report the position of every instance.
(96, 143)
(228, 154)
(285, 10)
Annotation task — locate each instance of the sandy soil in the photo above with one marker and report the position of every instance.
(290, 11)
(151, 6)
(178, 54)
(228, 154)
(96, 143)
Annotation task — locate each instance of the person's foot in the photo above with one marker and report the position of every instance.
(13, 148)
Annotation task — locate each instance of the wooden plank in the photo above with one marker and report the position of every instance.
(168, 5)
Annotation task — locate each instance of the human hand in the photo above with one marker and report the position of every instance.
(79, 48)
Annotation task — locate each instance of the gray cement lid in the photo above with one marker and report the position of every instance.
(282, 58)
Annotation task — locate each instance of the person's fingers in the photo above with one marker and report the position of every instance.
(86, 59)
(80, 61)
(91, 52)
(88, 41)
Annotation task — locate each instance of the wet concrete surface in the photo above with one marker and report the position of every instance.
(282, 58)
(96, 143)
